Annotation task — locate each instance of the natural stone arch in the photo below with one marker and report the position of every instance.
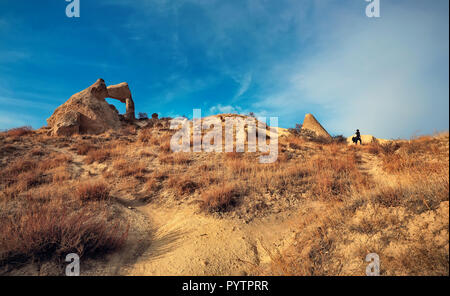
(122, 93)
(87, 111)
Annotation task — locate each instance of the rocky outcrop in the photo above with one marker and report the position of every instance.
(311, 124)
(88, 111)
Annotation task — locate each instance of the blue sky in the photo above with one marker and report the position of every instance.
(386, 76)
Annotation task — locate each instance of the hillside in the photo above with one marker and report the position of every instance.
(130, 206)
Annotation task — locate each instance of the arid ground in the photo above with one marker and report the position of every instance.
(129, 206)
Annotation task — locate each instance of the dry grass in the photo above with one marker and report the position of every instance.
(124, 168)
(145, 135)
(83, 148)
(219, 198)
(55, 160)
(181, 184)
(43, 231)
(180, 158)
(402, 215)
(151, 184)
(93, 191)
(398, 210)
(100, 155)
(19, 132)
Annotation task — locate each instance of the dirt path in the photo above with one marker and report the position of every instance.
(186, 242)
(371, 165)
(178, 239)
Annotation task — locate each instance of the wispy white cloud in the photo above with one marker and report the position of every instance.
(218, 109)
(382, 76)
(7, 101)
(245, 83)
(13, 119)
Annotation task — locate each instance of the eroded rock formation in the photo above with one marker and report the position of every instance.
(122, 93)
(88, 111)
(310, 123)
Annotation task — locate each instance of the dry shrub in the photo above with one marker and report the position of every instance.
(129, 130)
(145, 135)
(120, 164)
(8, 149)
(413, 193)
(164, 143)
(151, 184)
(239, 166)
(93, 191)
(125, 168)
(30, 179)
(181, 184)
(61, 174)
(12, 171)
(175, 158)
(334, 177)
(221, 197)
(295, 142)
(54, 160)
(19, 131)
(41, 232)
(99, 156)
(37, 151)
(84, 148)
(422, 156)
(340, 139)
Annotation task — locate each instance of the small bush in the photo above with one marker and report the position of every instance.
(20, 131)
(130, 130)
(97, 155)
(91, 191)
(220, 197)
(46, 231)
(340, 139)
(83, 148)
(145, 135)
(142, 115)
(182, 185)
(54, 160)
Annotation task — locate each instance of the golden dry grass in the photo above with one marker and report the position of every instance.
(402, 216)
(391, 199)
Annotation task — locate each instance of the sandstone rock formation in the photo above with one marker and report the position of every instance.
(88, 111)
(122, 93)
(310, 123)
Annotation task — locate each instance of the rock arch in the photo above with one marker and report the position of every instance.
(122, 93)
(88, 112)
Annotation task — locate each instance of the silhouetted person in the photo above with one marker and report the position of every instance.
(358, 137)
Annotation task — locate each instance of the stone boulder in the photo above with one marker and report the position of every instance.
(87, 112)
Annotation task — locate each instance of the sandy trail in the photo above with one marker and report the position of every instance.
(186, 242)
(371, 165)
(178, 239)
